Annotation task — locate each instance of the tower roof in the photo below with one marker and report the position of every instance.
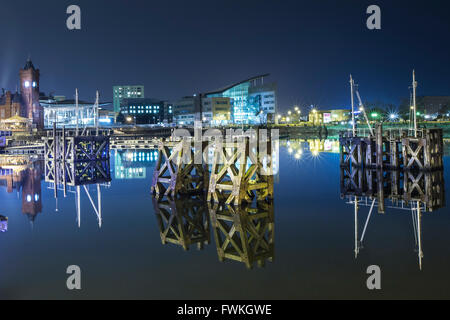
(29, 65)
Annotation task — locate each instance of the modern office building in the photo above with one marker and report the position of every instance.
(247, 99)
(216, 111)
(184, 111)
(144, 110)
(168, 113)
(126, 92)
(263, 98)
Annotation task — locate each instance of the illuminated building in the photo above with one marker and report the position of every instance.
(216, 111)
(24, 104)
(63, 112)
(184, 111)
(318, 117)
(147, 110)
(247, 99)
(124, 92)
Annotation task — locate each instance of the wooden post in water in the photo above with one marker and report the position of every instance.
(55, 161)
(64, 160)
(379, 145)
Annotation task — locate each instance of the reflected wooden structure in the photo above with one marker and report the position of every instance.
(245, 233)
(395, 185)
(413, 191)
(75, 161)
(182, 221)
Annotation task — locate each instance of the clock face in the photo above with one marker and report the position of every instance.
(34, 84)
(27, 84)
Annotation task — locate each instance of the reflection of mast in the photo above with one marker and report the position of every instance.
(419, 233)
(358, 243)
(97, 208)
(415, 192)
(356, 228)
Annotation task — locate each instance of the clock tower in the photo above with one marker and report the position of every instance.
(29, 89)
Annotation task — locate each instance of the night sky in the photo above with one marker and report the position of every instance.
(178, 48)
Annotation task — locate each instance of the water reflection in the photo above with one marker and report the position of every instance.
(183, 222)
(132, 164)
(72, 177)
(243, 233)
(416, 192)
(297, 148)
(25, 178)
(3, 223)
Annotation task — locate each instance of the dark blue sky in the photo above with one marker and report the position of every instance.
(177, 48)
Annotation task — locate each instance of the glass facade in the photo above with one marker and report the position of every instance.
(242, 110)
(251, 100)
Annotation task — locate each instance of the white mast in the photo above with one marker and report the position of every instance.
(96, 113)
(414, 103)
(352, 83)
(76, 111)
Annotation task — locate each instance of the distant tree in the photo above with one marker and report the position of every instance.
(120, 118)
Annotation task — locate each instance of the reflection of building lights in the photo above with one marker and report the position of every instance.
(297, 156)
(315, 153)
(290, 150)
(29, 198)
(36, 197)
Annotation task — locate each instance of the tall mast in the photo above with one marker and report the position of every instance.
(76, 111)
(96, 113)
(414, 103)
(352, 83)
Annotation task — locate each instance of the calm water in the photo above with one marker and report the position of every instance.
(124, 258)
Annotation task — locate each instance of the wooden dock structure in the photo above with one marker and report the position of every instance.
(177, 172)
(393, 149)
(241, 168)
(74, 160)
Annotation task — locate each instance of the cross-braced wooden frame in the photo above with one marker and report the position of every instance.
(176, 171)
(245, 234)
(182, 221)
(241, 172)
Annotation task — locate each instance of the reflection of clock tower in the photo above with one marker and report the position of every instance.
(29, 89)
